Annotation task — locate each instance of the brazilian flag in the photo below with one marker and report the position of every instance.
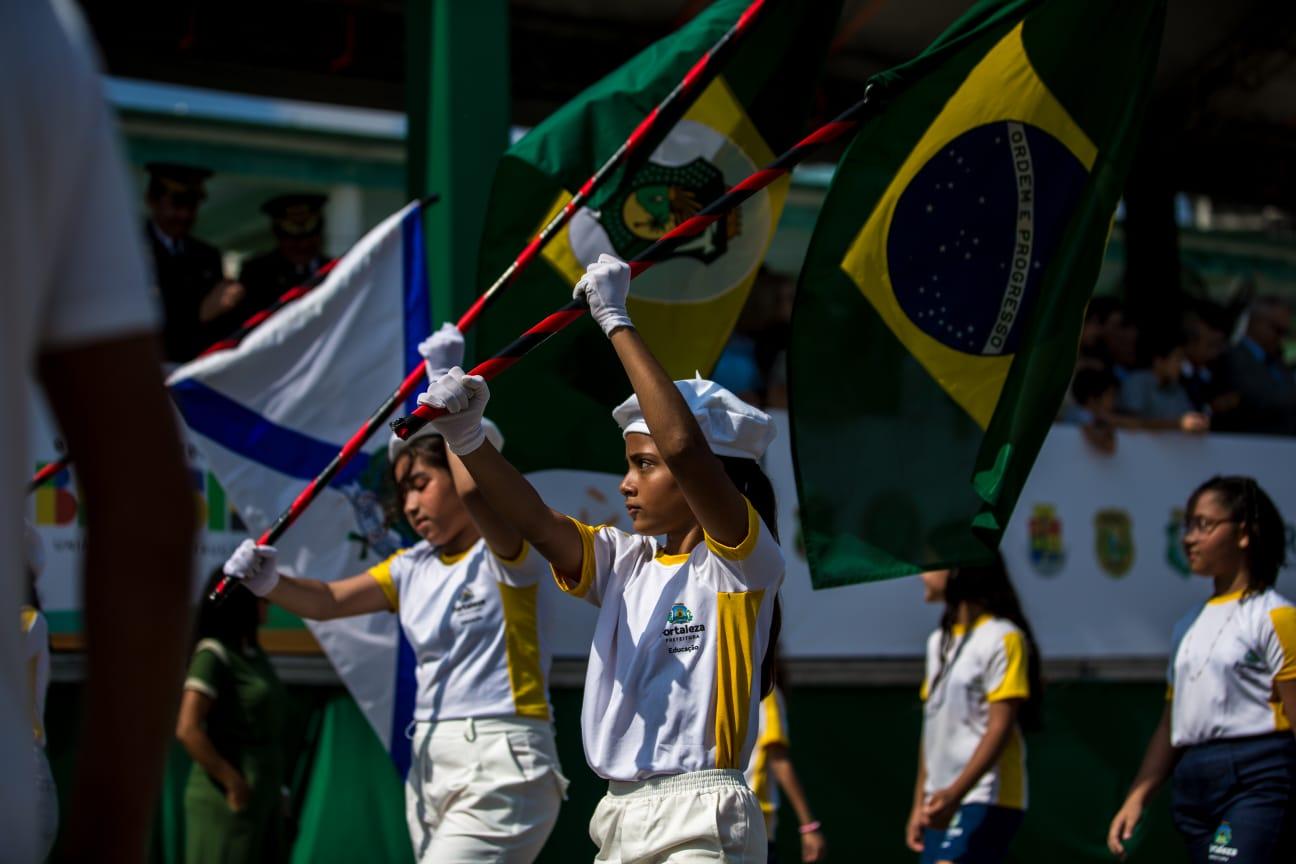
(685, 306)
(940, 304)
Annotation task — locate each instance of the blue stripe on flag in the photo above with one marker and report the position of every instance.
(241, 430)
(417, 327)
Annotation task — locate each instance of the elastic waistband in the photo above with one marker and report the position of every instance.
(470, 727)
(679, 784)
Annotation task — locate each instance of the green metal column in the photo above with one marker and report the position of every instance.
(458, 106)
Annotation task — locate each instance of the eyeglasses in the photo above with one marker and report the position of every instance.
(1201, 525)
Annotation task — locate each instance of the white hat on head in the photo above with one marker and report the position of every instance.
(395, 446)
(731, 426)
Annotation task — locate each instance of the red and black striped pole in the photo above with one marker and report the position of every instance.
(845, 123)
(48, 471)
(644, 137)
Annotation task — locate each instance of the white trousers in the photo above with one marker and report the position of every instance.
(482, 791)
(702, 816)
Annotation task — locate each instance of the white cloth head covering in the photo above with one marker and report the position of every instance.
(396, 446)
(730, 425)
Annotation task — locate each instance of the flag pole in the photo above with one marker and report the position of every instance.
(845, 123)
(670, 109)
(643, 137)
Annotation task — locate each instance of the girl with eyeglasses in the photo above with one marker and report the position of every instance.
(1225, 736)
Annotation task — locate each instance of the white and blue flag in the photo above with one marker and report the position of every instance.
(272, 412)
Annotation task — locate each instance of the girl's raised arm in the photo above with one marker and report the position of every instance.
(711, 495)
(503, 487)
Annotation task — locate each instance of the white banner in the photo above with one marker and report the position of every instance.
(1093, 547)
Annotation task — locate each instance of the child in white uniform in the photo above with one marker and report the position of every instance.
(484, 784)
(676, 669)
(1225, 734)
(981, 682)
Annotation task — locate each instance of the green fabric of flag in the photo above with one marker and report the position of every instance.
(685, 306)
(940, 303)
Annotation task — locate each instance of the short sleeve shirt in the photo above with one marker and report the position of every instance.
(248, 702)
(473, 621)
(1227, 656)
(964, 675)
(673, 682)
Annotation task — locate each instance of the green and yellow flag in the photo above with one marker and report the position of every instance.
(940, 304)
(685, 306)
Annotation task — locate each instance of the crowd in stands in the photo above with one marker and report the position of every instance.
(1183, 375)
(1215, 370)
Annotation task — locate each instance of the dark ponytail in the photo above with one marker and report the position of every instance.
(988, 586)
(750, 480)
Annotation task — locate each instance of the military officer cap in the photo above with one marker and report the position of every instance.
(296, 215)
(182, 182)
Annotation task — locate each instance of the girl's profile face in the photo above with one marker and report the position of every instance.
(934, 582)
(1214, 542)
(652, 497)
(429, 500)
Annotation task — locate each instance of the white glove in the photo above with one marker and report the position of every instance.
(464, 398)
(441, 350)
(254, 566)
(604, 287)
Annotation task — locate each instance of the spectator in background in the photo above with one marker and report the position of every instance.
(197, 299)
(1094, 392)
(770, 768)
(1204, 345)
(75, 292)
(231, 725)
(297, 221)
(1255, 369)
(1121, 337)
(1093, 335)
(1155, 395)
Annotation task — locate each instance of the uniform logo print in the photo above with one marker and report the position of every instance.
(679, 614)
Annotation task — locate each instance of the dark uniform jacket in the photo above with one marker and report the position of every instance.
(1268, 391)
(267, 276)
(184, 278)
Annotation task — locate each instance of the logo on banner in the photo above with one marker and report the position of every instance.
(1175, 555)
(54, 500)
(1047, 554)
(1114, 542)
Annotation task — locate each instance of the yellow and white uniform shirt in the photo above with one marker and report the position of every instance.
(980, 665)
(473, 621)
(1226, 657)
(771, 731)
(673, 683)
